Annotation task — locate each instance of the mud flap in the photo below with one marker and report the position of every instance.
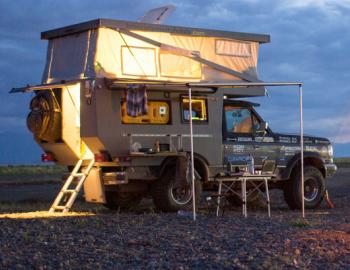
(93, 187)
(183, 171)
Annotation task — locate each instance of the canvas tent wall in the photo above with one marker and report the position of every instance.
(114, 49)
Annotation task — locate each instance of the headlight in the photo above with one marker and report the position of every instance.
(330, 151)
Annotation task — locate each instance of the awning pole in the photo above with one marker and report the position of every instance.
(302, 149)
(192, 160)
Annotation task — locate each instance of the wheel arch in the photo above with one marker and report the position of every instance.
(200, 165)
(310, 159)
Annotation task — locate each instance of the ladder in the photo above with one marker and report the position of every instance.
(67, 195)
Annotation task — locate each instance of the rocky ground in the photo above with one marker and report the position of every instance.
(95, 238)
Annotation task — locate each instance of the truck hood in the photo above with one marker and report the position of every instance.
(295, 138)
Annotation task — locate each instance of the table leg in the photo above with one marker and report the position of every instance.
(267, 196)
(218, 199)
(244, 195)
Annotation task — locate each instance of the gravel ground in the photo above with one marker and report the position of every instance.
(143, 239)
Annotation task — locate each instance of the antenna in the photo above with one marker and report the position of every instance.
(157, 15)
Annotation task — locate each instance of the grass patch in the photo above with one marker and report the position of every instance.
(31, 170)
(343, 162)
(300, 223)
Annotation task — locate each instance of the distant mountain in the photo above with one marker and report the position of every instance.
(19, 148)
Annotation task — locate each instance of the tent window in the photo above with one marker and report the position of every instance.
(138, 61)
(172, 65)
(68, 56)
(158, 113)
(199, 109)
(232, 48)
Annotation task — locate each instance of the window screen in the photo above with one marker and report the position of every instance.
(199, 109)
(179, 66)
(68, 56)
(232, 48)
(139, 61)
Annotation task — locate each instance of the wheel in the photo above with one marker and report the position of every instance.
(121, 200)
(314, 188)
(168, 197)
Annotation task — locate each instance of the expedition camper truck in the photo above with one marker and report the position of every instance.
(114, 100)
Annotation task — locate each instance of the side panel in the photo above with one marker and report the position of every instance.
(71, 147)
(71, 117)
(109, 129)
(88, 120)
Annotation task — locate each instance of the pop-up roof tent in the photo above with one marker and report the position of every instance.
(132, 50)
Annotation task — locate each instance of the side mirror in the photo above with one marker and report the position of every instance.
(262, 127)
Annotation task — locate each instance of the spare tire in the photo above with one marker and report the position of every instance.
(44, 119)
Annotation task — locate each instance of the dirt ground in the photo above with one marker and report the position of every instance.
(95, 238)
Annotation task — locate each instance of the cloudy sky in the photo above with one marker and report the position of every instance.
(309, 41)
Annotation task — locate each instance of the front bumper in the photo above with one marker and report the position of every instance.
(331, 169)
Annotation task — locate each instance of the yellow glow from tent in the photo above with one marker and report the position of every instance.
(179, 66)
(139, 61)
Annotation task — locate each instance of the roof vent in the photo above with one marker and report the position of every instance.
(157, 15)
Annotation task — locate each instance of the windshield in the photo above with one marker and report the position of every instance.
(240, 120)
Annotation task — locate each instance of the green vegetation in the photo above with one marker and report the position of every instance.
(343, 162)
(31, 170)
(300, 223)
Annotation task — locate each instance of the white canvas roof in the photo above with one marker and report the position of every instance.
(129, 50)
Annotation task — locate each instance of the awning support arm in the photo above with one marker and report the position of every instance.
(302, 149)
(192, 155)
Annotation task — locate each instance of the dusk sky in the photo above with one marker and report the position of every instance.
(309, 43)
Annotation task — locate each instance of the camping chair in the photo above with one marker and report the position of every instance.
(258, 181)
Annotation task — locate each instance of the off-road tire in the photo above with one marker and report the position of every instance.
(122, 200)
(161, 192)
(292, 188)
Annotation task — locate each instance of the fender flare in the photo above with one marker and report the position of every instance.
(202, 166)
(312, 158)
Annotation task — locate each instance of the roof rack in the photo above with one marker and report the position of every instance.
(109, 23)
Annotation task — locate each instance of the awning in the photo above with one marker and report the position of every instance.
(233, 85)
(30, 88)
(231, 89)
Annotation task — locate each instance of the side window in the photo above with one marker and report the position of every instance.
(199, 109)
(256, 122)
(158, 113)
(239, 120)
(233, 48)
(138, 61)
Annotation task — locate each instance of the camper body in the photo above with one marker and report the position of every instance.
(80, 112)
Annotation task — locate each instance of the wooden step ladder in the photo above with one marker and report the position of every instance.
(67, 195)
